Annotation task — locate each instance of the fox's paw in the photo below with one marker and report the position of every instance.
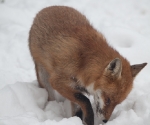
(79, 113)
(88, 121)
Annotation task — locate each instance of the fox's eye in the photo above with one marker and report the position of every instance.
(108, 101)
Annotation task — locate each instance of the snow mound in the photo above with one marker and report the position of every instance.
(125, 24)
(26, 103)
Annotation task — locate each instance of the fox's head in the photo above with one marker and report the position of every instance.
(114, 85)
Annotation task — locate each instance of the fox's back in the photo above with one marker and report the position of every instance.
(57, 20)
(63, 39)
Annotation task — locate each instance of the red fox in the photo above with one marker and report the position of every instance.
(72, 57)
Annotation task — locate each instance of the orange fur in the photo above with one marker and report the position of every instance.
(73, 54)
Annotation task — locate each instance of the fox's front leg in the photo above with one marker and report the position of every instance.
(62, 85)
(76, 110)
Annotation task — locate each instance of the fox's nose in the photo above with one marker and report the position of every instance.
(104, 121)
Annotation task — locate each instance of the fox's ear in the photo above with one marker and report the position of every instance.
(114, 68)
(135, 69)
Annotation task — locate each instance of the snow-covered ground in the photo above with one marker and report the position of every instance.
(126, 26)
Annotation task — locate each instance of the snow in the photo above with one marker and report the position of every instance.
(126, 26)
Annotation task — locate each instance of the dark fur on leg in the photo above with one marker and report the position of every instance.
(79, 114)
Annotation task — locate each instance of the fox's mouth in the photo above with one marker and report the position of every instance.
(100, 112)
(99, 105)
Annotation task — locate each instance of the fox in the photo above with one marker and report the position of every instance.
(74, 58)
